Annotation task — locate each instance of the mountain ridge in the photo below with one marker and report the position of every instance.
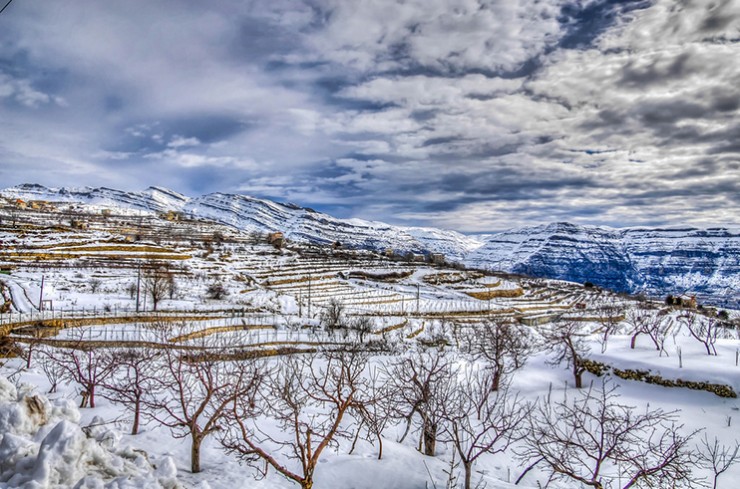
(654, 261)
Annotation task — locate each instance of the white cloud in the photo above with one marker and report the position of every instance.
(289, 98)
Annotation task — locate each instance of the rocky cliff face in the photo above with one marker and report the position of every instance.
(705, 262)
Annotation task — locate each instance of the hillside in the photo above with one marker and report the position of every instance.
(655, 262)
(94, 284)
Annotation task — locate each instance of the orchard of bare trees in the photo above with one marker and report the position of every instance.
(285, 413)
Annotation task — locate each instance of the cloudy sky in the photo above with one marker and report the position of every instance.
(474, 115)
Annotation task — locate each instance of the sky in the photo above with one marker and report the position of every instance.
(473, 115)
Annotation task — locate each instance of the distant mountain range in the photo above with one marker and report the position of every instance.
(656, 262)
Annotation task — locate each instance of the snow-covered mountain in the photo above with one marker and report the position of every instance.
(705, 262)
(251, 214)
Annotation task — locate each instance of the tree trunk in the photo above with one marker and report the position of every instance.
(468, 473)
(380, 447)
(633, 340)
(307, 482)
(91, 391)
(430, 438)
(137, 414)
(496, 381)
(85, 398)
(578, 374)
(195, 453)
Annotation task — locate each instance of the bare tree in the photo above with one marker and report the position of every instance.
(217, 291)
(95, 285)
(374, 408)
(309, 397)
(51, 367)
(192, 393)
(420, 385)
(333, 316)
(568, 344)
(31, 341)
(504, 345)
(609, 316)
(481, 420)
(132, 379)
(158, 283)
(86, 365)
(363, 325)
(703, 329)
(132, 289)
(656, 324)
(716, 457)
(597, 442)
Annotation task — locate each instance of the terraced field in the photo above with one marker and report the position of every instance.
(97, 276)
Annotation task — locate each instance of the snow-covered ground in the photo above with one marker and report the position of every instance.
(276, 298)
(50, 449)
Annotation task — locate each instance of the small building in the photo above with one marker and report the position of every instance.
(581, 305)
(20, 203)
(41, 205)
(276, 239)
(173, 216)
(437, 258)
(415, 257)
(687, 301)
(78, 224)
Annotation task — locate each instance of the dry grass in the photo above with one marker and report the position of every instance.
(216, 330)
(394, 327)
(485, 295)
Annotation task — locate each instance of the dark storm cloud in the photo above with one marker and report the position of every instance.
(471, 114)
(658, 71)
(719, 16)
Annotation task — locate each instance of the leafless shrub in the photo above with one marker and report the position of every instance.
(333, 316)
(95, 285)
(374, 409)
(609, 316)
(716, 457)
(51, 367)
(84, 364)
(362, 325)
(159, 283)
(217, 291)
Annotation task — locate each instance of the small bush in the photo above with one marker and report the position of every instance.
(216, 291)
(95, 285)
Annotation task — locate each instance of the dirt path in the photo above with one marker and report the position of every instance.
(21, 301)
